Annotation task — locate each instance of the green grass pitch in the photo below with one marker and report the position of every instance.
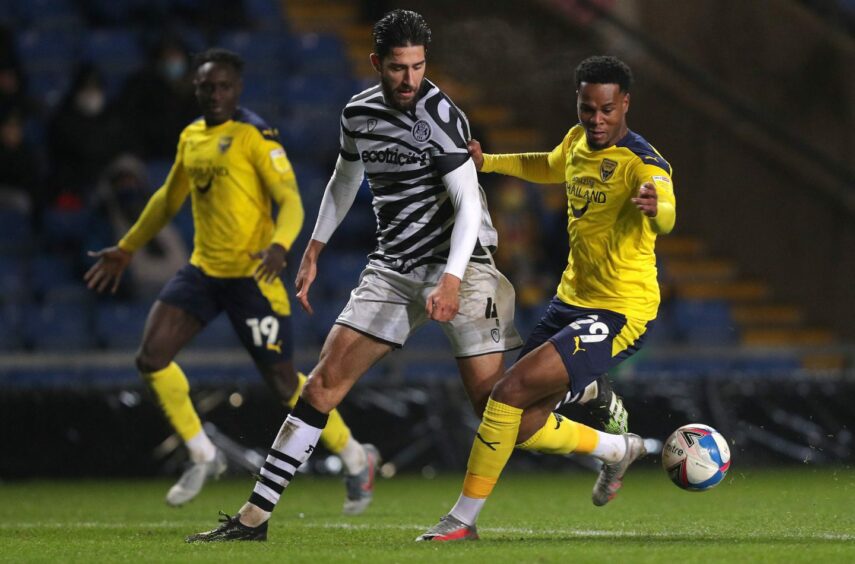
(790, 515)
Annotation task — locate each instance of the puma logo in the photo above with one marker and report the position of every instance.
(277, 347)
(581, 211)
(309, 450)
(577, 340)
(558, 420)
(202, 188)
(489, 444)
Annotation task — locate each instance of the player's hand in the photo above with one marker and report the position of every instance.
(647, 201)
(475, 152)
(272, 262)
(443, 301)
(107, 271)
(305, 277)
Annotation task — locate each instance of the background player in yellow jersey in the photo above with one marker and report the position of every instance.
(620, 197)
(233, 167)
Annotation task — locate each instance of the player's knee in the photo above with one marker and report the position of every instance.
(147, 362)
(511, 390)
(321, 392)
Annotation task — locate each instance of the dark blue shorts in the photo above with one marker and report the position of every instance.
(255, 309)
(590, 341)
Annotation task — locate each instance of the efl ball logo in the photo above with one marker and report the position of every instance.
(696, 457)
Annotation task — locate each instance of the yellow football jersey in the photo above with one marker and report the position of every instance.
(232, 172)
(611, 264)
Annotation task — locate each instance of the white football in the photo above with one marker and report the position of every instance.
(696, 457)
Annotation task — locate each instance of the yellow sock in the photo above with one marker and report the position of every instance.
(558, 435)
(562, 436)
(491, 449)
(336, 434)
(173, 393)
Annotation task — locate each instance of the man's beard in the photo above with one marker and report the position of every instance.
(389, 94)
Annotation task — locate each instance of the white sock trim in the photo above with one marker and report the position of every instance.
(201, 448)
(467, 509)
(610, 448)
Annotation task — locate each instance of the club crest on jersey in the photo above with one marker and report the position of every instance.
(607, 169)
(224, 144)
(421, 130)
(372, 123)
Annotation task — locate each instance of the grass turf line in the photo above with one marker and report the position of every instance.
(799, 514)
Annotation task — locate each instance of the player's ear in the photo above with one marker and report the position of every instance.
(626, 103)
(375, 61)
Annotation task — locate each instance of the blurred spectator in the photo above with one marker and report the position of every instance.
(19, 165)
(519, 252)
(12, 82)
(84, 136)
(120, 197)
(157, 102)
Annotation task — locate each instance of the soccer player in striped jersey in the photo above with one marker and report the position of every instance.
(620, 197)
(432, 260)
(233, 167)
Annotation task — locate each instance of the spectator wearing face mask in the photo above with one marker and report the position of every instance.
(157, 102)
(84, 136)
(119, 198)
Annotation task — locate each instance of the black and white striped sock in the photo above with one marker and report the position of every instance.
(293, 446)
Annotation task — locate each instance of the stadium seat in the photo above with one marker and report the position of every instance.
(58, 327)
(704, 322)
(65, 228)
(13, 281)
(116, 53)
(39, 49)
(120, 325)
(322, 54)
(338, 272)
(10, 326)
(15, 231)
(265, 14)
(50, 271)
(262, 51)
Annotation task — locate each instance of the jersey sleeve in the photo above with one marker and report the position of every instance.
(161, 207)
(277, 175)
(448, 130)
(666, 214)
(348, 150)
(540, 168)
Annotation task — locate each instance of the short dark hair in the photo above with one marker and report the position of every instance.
(400, 28)
(219, 55)
(604, 69)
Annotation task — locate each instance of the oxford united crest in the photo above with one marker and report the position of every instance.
(225, 143)
(607, 169)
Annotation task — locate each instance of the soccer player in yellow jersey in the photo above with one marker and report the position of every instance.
(619, 198)
(233, 167)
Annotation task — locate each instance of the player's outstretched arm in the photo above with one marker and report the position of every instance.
(108, 269)
(474, 147)
(307, 273)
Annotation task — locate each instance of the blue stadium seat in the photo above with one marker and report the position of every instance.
(338, 272)
(42, 50)
(50, 271)
(308, 138)
(10, 326)
(59, 327)
(704, 322)
(49, 15)
(15, 231)
(65, 228)
(116, 53)
(263, 51)
(13, 280)
(322, 54)
(266, 15)
(324, 93)
(119, 325)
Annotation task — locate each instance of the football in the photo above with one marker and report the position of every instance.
(696, 457)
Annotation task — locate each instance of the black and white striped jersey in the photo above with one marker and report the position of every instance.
(405, 156)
